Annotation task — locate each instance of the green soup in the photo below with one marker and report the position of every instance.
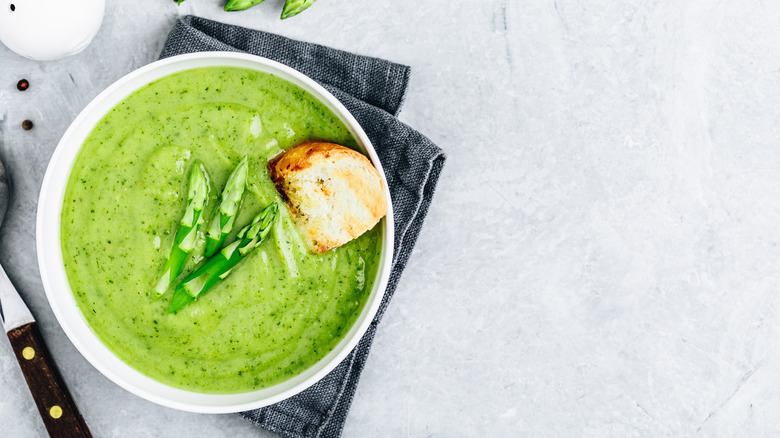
(281, 309)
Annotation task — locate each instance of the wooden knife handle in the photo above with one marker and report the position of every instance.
(59, 412)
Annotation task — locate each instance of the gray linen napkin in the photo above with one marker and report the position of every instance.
(373, 91)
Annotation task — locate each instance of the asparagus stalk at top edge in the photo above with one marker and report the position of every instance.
(184, 241)
(240, 5)
(295, 7)
(222, 222)
(219, 267)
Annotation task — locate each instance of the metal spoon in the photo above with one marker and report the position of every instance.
(58, 411)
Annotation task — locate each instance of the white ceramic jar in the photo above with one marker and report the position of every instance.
(46, 30)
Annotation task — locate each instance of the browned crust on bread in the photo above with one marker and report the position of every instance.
(342, 178)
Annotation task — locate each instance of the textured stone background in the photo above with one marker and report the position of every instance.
(601, 258)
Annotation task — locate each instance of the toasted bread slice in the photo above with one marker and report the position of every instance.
(334, 193)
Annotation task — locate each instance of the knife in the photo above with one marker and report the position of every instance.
(58, 410)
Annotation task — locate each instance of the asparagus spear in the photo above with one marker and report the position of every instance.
(295, 7)
(222, 223)
(184, 241)
(240, 5)
(219, 267)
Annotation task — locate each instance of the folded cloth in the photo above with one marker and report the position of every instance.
(372, 90)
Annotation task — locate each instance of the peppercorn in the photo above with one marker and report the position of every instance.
(27, 125)
(22, 85)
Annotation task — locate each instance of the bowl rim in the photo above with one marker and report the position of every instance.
(61, 297)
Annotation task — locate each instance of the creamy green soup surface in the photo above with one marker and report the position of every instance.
(281, 309)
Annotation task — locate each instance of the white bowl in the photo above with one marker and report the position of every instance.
(58, 289)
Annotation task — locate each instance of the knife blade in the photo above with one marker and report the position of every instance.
(13, 312)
